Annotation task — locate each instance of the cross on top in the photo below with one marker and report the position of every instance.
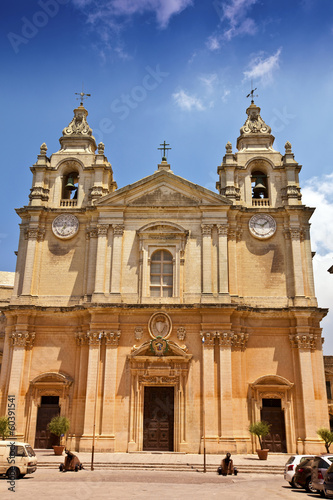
(164, 148)
(82, 96)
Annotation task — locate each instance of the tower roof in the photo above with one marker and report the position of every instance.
(255, 134)
(78, 135)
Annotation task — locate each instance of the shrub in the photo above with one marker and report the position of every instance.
(59, 426)
(327, 436)
(4, 427)
(260, 429)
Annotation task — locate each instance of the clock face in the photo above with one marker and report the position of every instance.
(65, 226)
(262, 226)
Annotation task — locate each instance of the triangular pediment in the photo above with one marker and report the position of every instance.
(163, 189)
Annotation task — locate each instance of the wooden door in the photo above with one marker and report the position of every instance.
(272, 413)
(158, 418)
(48, 409)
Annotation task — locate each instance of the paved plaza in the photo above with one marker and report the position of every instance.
(104, 483)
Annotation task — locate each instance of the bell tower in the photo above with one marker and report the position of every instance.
(75, 176)
(258, 175)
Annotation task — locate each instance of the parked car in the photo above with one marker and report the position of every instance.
(290, 467)
(302, 475)
(328, 482)
(320, 465)
(16, 459)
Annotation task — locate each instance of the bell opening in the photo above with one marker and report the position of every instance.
(70, 186)
(259, 185)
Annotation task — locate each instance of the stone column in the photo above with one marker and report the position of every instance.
(91, 267)
(94, 340)
(223, 258)
(31, 235)
(110, 388)
(207, 258)
(118, 231)
(102, 233)
(233, 234)
(305, 342)
(208, 393)
(20, 340)
(225, 342)
(295, 235)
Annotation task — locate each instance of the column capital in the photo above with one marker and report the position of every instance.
(112, 338)
(31, 234)
(22, 339)
(102, 229)
(208, 339)
(118, 229)
(225, 339)
(94, 338)
(206, 229)
(307, 341)
(223, 229)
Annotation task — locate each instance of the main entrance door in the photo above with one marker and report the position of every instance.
(273, 414)
(158, 418)
(48, 409)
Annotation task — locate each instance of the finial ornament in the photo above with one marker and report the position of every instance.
(101, 147)
(82, 96)
(43, 149)
(252, 93)
(228, 147)
(287, 147)
(164, 148)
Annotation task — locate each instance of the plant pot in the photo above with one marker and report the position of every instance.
(58, 449)
(262, 454)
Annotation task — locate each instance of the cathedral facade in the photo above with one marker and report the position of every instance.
(162, 315)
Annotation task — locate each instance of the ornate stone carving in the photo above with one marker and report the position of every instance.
(225, 339)
(231, 192)
(235, 233)
(208, 339)
(31, 234)
(239, 341)
(112, 338)
(118, 229)
(254, 123)
(41, 234)
(206, 229)
(307, 341)
(138, 333)
(81, 339)
(291, 192)
(158, 380)
(39, 193)
(295, 233)
(93, 233)
(160, 325)
(102, 229)
(234, 340)
(79, 125)
(101, 147)
(181, 333)
(22, 339)
(223, 229)
(94, 338)
(98, 191)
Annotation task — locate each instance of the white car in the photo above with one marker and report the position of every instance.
(290, 467)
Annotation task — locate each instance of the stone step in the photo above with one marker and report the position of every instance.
(254, 469)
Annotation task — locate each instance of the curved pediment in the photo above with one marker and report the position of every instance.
(270, 380)
(162, 228)
(52, 378)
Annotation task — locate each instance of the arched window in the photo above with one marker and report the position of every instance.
(70, 186)
(259, 185)
(161, 274)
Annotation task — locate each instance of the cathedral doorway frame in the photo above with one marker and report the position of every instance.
(158, 372)
(274, 387)
(47, 384)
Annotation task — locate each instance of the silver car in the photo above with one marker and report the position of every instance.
(319, 469)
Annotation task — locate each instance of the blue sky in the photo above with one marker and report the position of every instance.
(174, 70)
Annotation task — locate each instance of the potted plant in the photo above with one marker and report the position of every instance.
(327, 436)
(4, 428)
(59, 426)
(260, 429)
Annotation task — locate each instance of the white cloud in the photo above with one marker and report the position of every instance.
(225, 95)
(213, 43)
(187, 102)
(263, 69)
(209, 81)
(111, 10)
